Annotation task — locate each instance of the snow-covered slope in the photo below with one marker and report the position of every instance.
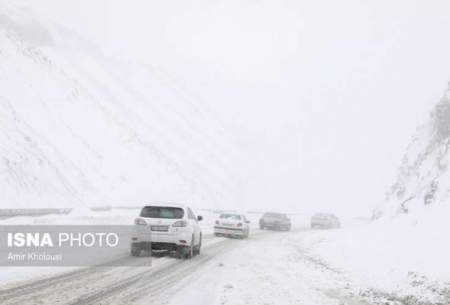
(79, 128)
(402, 257)
(423, 179)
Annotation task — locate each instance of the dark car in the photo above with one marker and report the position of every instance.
(275, 221)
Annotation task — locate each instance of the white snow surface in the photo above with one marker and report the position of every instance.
(381, 263)
(78, 216)
(423, 177)
(80, 129)
(389, 255)
(364, 261)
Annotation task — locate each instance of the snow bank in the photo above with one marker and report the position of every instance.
(407, 255)
(78, 216)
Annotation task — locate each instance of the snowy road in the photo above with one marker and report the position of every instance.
(269, 268)
(142, 278)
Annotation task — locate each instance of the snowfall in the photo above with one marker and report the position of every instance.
(118, 132)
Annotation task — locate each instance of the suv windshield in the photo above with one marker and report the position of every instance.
(230, 216)
(162, 212)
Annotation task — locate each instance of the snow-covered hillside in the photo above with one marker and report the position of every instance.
(423, 178)
(402, 257)
(79, 128)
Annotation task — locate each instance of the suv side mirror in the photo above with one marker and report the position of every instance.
(199, 218)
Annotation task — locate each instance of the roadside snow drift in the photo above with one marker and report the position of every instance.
(403, 254)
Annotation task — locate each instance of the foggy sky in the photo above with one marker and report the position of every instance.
(323, 95)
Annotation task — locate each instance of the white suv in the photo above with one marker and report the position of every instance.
(168, 227)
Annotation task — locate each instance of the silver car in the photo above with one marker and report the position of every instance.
(325, 221)
(232, 225)
(275, 221)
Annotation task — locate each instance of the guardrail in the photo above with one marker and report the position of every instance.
(6, 213)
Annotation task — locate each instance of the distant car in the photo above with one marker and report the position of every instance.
(167, 227)
(232, 225)
(275, 221)
(325, 221)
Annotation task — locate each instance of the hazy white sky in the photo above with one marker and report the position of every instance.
(324, 95)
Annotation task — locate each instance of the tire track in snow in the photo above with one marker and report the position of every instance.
(153, 284)
(98, 284)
